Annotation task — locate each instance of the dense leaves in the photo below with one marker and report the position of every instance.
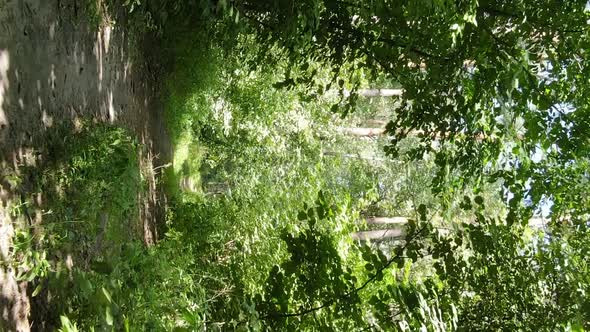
(487, 167)
(494, 77)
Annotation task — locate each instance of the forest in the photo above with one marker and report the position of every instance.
(294, 165)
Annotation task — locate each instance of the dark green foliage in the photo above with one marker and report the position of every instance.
(317, 289)
(509, 279)
(313, 287)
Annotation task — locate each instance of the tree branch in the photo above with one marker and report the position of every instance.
(354, 291)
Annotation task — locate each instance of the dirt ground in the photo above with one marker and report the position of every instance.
(56, 67)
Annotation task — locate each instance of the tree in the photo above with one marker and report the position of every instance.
(513, 50)
(387, 220)
(363, 132)
(512, 74)
(371, 93)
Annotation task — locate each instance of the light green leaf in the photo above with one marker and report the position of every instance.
(107, 295)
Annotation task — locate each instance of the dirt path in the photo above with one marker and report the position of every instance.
(55, 68)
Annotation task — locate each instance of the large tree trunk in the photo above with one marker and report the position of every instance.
(374, 132)
(398, 233)
(217, 188)
(364, 132)
(375, 122)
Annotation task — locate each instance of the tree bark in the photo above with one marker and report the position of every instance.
(377, 92)
(386, 220)
(217, 188)
(365, 132)
(375, 122)
(382, 234)
(362, 132)
(398, 233)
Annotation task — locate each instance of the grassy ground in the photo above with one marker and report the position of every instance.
(79, 247)
(191, 88)
(78, 210)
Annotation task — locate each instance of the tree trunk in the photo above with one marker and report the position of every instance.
(398, 233)
(217, 188)
(382, 234)
(363, 132)
(375, 122)
(377, 92)
(387, 220)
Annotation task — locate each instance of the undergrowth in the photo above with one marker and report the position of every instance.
(81, 244)
(191, 92)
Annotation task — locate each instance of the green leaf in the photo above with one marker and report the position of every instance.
(67, 325)
(382, 258)
(478, 200)
(422, 212)
(108, 316)
(379, 276)
(302, 216)
(107, 295)
(37, 290)
(411, 299)
(321, 212)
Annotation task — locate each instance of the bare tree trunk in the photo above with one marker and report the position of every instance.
(382, 234)
(398, 233)
(387, 220)
(374, 132)
(374, 122)
(362, 132)
(217, 188)
(377, 92)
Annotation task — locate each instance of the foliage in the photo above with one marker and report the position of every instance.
(495, 90)
(462, 278)
(85, 259)
(490, 69)
(489, 133)
(318, 288)
(79, 206)
(313, 281)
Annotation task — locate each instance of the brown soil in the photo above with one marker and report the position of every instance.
(57, 68)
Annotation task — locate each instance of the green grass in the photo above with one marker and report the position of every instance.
(89, 176)
(80, 209)
(191, 91)
(93, 271)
